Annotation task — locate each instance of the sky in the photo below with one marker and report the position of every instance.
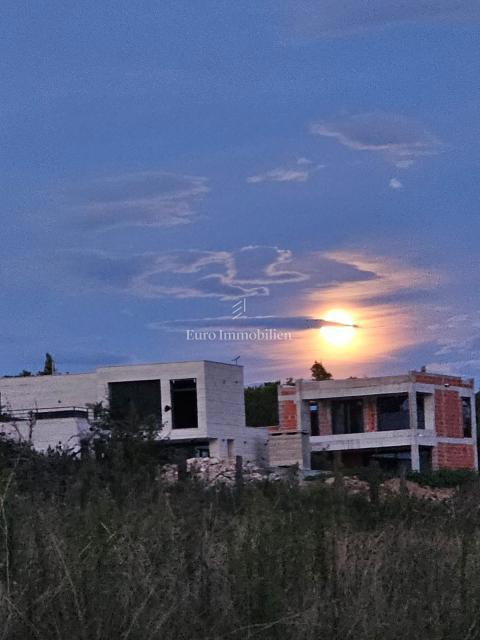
(165, 164)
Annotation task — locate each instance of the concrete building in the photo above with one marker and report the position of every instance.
(199, 405)
(420, 420)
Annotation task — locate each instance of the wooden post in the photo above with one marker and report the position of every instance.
(239, 472)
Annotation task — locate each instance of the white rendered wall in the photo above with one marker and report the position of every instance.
(63, 432)
(163, 372)
(69, 390)
(220, 401)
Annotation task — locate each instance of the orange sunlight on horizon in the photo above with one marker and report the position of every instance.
(385, 325)
(346, 351)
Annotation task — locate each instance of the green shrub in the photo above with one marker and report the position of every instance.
(444, 477)
(101, 549)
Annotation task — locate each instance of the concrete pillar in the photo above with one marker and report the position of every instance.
(303, 410)
(166, 401)
(413, 420)
(299, 406)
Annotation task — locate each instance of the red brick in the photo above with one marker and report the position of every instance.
(426, 378)
(453, 456)
(448, 413)
(288, 415)
(370, 414)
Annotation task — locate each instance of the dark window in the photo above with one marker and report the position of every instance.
(420, 411)
(314, 423)
(467, 417)
(392, 412)
(347, 416)
(57, 414)
(136, 399)
(184, 403)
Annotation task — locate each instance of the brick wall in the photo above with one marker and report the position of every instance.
(426, 378)
(370, 414)
(287, 409)
(453, 456)
(448, 413)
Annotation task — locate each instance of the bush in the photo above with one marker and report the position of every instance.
(444, 477)
(102, 550)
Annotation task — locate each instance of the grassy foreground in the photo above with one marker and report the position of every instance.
(88, 554)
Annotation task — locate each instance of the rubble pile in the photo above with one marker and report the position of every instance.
(415, 490)
(215, 471)
(212, 471)
(394, 486)
(352, 484)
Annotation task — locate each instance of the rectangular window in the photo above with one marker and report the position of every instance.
(314, 422)
(393, 412)
(420, 411)
(467, 417)
(347, 416)
(184, 403)
(136, 399)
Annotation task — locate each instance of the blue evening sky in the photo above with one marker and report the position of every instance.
(162, 160)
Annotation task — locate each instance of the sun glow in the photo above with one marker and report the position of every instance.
(338, 336)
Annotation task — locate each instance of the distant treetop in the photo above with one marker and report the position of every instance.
(319, 372)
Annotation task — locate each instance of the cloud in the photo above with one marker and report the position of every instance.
(300, 172)
(395, 183)
(304, 161)
(146, 199)
(227, 275)
(391, 279)
(280, 175)
(399, 139)
(287, 323)
(333, 18)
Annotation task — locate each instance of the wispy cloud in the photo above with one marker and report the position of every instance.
(392, 277)
(147, 199)
(280, 175)
(247, 272)
(288, 323)
(399, 139)
(301, 171)
(333, 18)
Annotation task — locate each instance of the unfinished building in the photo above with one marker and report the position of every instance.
(421, 420)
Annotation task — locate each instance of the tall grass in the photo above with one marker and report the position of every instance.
(87, 552)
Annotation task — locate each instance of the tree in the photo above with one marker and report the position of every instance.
(261, 405)
(48, 367)
(319, 372)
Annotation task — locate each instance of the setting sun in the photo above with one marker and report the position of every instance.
(338, 336)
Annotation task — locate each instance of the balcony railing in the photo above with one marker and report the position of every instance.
(44, 413)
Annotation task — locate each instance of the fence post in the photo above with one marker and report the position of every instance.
(239, 472)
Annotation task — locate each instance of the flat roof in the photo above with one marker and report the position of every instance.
(383, 380)
(64, 374)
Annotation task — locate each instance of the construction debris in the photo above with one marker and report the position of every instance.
(211, 471)
(392, 487)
